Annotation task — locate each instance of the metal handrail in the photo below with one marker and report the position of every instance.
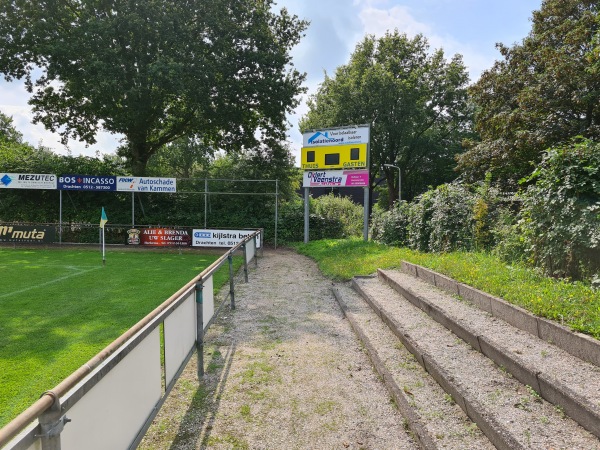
(48, 398)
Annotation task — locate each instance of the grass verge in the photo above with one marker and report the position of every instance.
(575, 305)
(60, 307)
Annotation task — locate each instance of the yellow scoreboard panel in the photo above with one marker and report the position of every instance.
(347, 156)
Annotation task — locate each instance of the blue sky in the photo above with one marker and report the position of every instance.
(469, 27)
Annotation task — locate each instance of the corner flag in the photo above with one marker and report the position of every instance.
(103, 218)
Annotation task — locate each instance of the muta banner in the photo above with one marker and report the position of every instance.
(27, 234)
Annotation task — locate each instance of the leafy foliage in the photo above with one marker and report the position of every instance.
(419, 228)
(330, 217)
(391, 227)
(414, 100)
(544, 92)
(452, 218)
(343, 209)
(560, 218)
(557, 228)
(155, 70)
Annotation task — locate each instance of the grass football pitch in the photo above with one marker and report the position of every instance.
(59, 307)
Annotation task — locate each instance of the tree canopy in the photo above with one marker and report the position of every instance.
(415, 101)
(154, 70)
(544, 91)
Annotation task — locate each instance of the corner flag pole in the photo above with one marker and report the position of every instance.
(103, 220)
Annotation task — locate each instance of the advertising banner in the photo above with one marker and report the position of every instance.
(87, 183)
(27, 234)
(342, 178)
(146, 184)
(338, 136)
(162, 237)
(221, 238)
(27, 181)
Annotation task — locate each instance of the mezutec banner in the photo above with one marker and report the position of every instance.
(27, 234)
(87, 183)
(342, 178)
(336, 136)
(27, 181)
(162, 237)
(221, 238)
(146, 184)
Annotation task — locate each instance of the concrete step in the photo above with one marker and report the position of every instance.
(511, 414)
(558, 376)
(431, 415)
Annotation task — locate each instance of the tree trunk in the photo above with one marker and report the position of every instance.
(139, 154)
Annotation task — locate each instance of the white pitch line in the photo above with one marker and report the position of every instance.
(49, 282)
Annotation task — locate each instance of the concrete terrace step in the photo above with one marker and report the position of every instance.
(510, 414)
(577, 344)
(556, 375)
(433, 418)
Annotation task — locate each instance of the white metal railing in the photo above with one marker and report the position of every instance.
(109, 402)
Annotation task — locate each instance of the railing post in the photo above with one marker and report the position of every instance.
(52, 424)
(255, 252)
(200, 329)
(231, 289)
(245, 263)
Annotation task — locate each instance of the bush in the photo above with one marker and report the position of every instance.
(560, 218)
(340, 209)
(391, 227)
(419, 227)
(452, 220)
(510, 242)
(330, 218)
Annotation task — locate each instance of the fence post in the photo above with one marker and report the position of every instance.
(52, 424)
(245, 263)
(200, 329)
(231, 289)
(255, 252)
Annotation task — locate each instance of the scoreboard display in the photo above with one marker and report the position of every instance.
(348, 156)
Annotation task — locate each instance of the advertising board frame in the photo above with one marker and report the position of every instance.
(330, 137)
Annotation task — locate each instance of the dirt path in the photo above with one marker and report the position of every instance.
(284, 371)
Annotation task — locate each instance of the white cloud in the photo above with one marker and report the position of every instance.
(377, 21)
(14, 104)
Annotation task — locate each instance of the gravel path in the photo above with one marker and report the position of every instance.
(284, 371)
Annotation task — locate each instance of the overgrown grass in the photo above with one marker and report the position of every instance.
(58, 308)
(573, 304)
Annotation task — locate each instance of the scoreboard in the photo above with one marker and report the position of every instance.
(346, 156)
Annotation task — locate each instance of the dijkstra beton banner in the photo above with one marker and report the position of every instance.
(221, 238)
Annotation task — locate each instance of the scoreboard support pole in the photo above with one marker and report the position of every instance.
(306, 214)
(366, 215)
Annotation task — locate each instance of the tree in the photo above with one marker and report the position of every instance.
(8, 132)
(154, 70)
(185, 157)
(415, 101)
(544, 92)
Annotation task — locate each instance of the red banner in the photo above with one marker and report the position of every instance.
(165, 237)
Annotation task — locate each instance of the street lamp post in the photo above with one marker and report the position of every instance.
(399, 181)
